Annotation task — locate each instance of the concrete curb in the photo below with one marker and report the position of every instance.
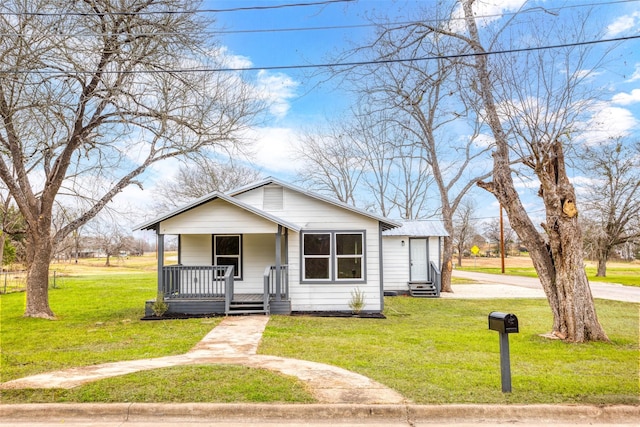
(138, 412)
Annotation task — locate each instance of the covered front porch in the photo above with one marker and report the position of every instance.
(210, 289)
(247, 274)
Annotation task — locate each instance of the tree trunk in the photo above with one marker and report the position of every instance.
(459, 256)
(602, 263)
(39, 251)
(559, 263)
(3, 237)
(447, 263)
(447, 247)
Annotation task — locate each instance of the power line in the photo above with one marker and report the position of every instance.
(552, 10)
(340, 64)
(176, 12)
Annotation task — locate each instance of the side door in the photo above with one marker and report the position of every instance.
(419, 255)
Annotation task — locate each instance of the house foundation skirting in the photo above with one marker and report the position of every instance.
(205, 306)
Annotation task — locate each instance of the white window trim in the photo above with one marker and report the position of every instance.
(304, 257)
(237, 275)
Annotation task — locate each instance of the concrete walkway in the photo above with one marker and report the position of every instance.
(235, 342)
(504, 286)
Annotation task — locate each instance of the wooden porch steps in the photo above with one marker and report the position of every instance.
(423, 290)
(248, 304)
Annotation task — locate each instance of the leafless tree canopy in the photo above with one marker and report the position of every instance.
(92, 94)
(364, 160)
(200, 177)
(612, 199)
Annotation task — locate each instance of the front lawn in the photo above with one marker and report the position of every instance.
(430, 350)
(441, 351)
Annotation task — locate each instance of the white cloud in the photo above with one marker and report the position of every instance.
(487, 11)
(277, 89)
(627, 98)
(623, 23)
(273, 149)
(636, 74)
(606, 122)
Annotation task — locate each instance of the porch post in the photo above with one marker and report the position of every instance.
(278, 263)
(160, 255)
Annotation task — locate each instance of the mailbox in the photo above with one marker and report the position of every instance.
(505, 323)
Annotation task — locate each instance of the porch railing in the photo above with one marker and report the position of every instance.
(276, 284)
(192, 282)
(436, 277)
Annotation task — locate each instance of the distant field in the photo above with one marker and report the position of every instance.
(625, 273)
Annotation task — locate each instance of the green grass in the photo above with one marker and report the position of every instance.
(213, 383)
(98, 322)
(430, 350)
(440, 351)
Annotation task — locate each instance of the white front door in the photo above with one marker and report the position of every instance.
(419, 260)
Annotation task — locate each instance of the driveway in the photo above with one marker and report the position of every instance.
(504, 286)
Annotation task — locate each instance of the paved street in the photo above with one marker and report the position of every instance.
(501, 286)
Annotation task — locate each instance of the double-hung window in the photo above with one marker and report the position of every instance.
(333, 256)
(227, 250)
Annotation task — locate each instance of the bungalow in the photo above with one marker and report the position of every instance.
(271, 247)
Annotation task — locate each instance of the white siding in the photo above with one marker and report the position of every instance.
(396, 263)
(434, 251)
(217, 217)
(314, 214)
(258, 253)
(195, 249)
(310, 212)
(332, 296)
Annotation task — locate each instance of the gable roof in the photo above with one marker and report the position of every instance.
(418, 228)
(151, 225)
(386, 223)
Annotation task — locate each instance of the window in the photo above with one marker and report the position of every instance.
(333, 256)
(317, 256)
(227, 250)
(349, 255)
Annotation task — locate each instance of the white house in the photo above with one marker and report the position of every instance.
(271, 247)
(412, 256)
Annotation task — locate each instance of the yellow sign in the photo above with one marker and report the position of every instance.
(475, 250)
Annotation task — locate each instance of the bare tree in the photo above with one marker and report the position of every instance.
(541, 104)
(395, 177)
(332, 164)
(96, 91)
(200, 177)
(463, 226)
(492, 233)
(612, 202)
(427, 101)
(108, 237)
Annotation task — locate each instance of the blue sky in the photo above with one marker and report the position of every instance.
(299, 103)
